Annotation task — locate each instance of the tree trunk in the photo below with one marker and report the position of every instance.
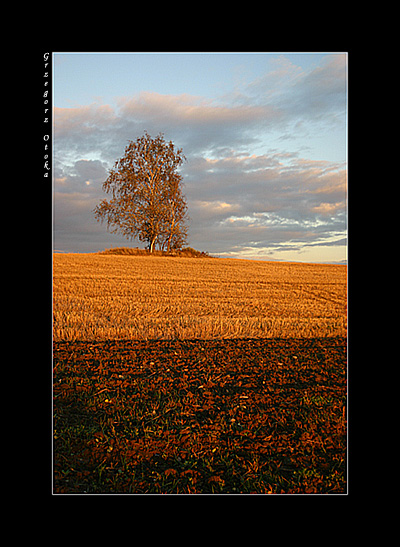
(171, 229)
(151, 247)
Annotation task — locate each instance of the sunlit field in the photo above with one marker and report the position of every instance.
(101, 297)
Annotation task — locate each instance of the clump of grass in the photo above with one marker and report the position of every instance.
(124, 251)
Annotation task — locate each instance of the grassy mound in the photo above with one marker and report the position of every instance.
(187, 252)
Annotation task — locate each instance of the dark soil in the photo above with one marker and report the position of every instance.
(200, 416)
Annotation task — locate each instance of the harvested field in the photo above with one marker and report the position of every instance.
(177, 375)
(107, 297)
(180, 417)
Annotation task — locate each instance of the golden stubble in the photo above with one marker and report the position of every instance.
(99, 297)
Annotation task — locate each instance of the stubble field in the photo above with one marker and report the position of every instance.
(102, 297)
(182, 375)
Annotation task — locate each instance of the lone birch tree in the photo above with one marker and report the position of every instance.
(147, 201)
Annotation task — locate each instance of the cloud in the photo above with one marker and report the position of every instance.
(83, 127)
(194, 123)
(271, 201)
(198, 125)
(270, 86)
(328, 208)
(324, 89)
(297, 95)
(187, 110)
(74, 177)
(215, 208)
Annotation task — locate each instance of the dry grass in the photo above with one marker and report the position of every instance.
(99, 297)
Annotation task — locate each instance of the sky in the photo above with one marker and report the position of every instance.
(264, 134)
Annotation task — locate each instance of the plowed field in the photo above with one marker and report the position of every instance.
(230, 416)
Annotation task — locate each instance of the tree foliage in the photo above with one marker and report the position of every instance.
(147, 201)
